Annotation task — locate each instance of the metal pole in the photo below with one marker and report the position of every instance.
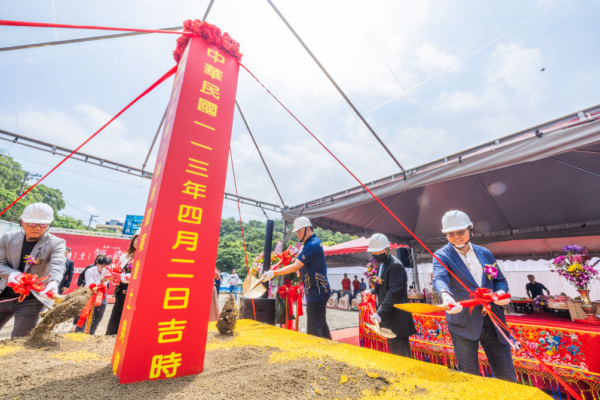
(415, 270)
(208, 10)
(89, 39)
(259, 153)
(335, 84)
(23, 184)
(155, 136)
(91, 218)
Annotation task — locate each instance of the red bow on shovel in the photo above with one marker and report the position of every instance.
(29, 282)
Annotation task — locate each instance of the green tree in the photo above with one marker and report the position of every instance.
(230, 254)
(11, 179)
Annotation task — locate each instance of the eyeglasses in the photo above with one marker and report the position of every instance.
(456, 233)
(43, 226)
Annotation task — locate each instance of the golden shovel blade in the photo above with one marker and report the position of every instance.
(419, 308)
(385, 332)
(252, 288)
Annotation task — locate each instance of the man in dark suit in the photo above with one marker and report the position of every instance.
(391, 289)
(65, 283)
(470, 328)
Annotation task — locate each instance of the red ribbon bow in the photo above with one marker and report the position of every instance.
(27, 283)
(100, 289)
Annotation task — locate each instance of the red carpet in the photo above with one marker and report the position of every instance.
(349, 336)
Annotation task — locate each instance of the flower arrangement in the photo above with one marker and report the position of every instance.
(542, 301)
(373, 271)
(491, 271)
(257, 264)
(32, 260)
(575, 267)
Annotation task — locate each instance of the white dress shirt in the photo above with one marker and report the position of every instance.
(472, 262)
(93, 276)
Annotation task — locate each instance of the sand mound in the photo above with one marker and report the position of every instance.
(67, 309)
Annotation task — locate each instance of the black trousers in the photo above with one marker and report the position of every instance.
(96, 318)
(316, 319)
(399, 346)
(115, 316)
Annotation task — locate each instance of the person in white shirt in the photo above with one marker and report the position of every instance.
(121, 288)
(97, 275)
(233, 280)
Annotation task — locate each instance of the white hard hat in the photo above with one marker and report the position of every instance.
(301, 222)
(38, 213)
(378, 242)
(455, 221)
(137, 233)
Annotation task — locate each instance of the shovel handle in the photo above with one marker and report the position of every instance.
(487, 299)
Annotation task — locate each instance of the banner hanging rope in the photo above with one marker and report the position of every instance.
(154, 85)
(101, 28)
(494, 317)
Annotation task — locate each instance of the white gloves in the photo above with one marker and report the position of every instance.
(125, 278)
(14, 277)
(106, 273)
(51, 286)
(447, 299)
(502, 302)
(376, 317)
(267, 276)
(367, 291)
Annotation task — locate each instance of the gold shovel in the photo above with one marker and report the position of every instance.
(420, 308)
(385, 332)
(252, 288)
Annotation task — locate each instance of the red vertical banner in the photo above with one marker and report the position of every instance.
(164, 325)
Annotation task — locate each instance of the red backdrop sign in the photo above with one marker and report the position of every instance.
(84, 250)
(165, 319)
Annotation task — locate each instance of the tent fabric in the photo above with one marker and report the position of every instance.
(354, 246)
(533, 188)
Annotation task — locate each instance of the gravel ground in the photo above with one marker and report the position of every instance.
(336, 319)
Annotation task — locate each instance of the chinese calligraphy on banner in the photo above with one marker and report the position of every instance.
(165, 319)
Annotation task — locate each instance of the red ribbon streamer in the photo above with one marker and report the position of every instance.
(101, 28)
(155, 84)
(293, 294)
(101, 289)
(492, 315)
(27, 283)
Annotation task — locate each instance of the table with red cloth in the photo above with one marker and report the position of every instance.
(567, 346)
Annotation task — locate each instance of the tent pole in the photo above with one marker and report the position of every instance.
(336, 85)
(155, 136)
(259, 153)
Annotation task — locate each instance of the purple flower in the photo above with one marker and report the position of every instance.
(573, 248)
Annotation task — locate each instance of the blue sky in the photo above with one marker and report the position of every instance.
(431, 78)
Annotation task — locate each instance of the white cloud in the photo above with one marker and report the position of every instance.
(513, 79)
(114, 143)
(90, 210)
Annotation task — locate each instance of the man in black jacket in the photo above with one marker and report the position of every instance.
(391, 289)
(65, 283)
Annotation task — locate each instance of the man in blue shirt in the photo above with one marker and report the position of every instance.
(314, 275)
(469, 328)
